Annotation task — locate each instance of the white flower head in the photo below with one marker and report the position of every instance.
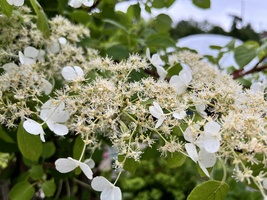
(74, 73)
(181, 82)
(65, 165)
(79, 3)
(211, 137)
(53, 113)
(15, 2)
(157, 112)
(34, 128)
(203, 158)
(107, 189)
(180, 115)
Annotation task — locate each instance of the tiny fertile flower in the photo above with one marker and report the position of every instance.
(15, 2)
(65, 165)
(53, 113)
(181, 82)
(157, 112)
(203, 158)
(108, 190)
(79, 3)
(73, 73)
(34, 128)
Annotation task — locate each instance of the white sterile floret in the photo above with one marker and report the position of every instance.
(79, 3)
(158, 63)
(15, 2)
(30, 55)
(10, 67)
(74, 73)
(211, 137)
(180, 115)
(257, 87)
(181, 82)
(34, 128)
(108, 190)
(65, 165)
(203, 158)
(53, 113)
(157, 112)
(45, 86)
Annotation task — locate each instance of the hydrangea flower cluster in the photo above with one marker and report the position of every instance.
(100, 103)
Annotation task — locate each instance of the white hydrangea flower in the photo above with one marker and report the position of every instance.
(181, 82)
(74, 73)
(30, 55)
(65, 165)
(10, 67)
(107, 189)
(157, 112)
(15, 2)
(158, 63)
(211, 137)
(257, 87)
(203, 158)
(34, 128)
(46, 86)
(79, 3)
(180, 115)
(53, 114)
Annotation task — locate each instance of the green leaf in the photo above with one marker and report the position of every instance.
(48, 149)
(6, 8)
(118, 52)
(160, 40)
(78, 147)
(210, 190)
(163, 23)
(134, 11)
(42, 21)
(36, 172)
(30, 145)
(118, 25)
(49, 188)
(4, 136)
(175, 159)
(22, 190)
(130, 164)
(80, 16)
(162, 3)
(202, 3)
(245, 53)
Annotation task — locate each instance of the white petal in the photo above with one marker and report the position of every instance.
(192, 151)
(75, 3)
(161, 72)
(68, 73)
(53, 47)
(204, 169)
(34, 128)
(212, 127)
(79, 72)
(174, 79)
(188, 135)
(31, 52)
(211, 144)
(58, 129)
(86, 170)
(156, 110)
(62, 40)
(264, 183)
(206, 158)
(10, 67)
(185, 76)
(65, 165)
(88, 3)
(180, 115)
(160, 122)
(25, 60)
(16, 2)
(46, 86)
(90, 162)
(99, 183)
(112, 193)
(148, 54)
(156, 60)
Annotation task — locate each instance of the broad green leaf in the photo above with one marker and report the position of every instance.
(80, 16)
(6, 8)
(210, 190)
(36, 172)
(175, 159)
(160, 40)
(244, 82)
(4, 136)
(163, 23)
(118, 25)
(78, 147)
(30, 145)
(118, 52)
(22, 190)
(162, 3)
(130, 164)
(42, 21)
(202, 3)
(231, 44)
(49, 188)
(48, 149)
(245, 53)
(134, 11)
